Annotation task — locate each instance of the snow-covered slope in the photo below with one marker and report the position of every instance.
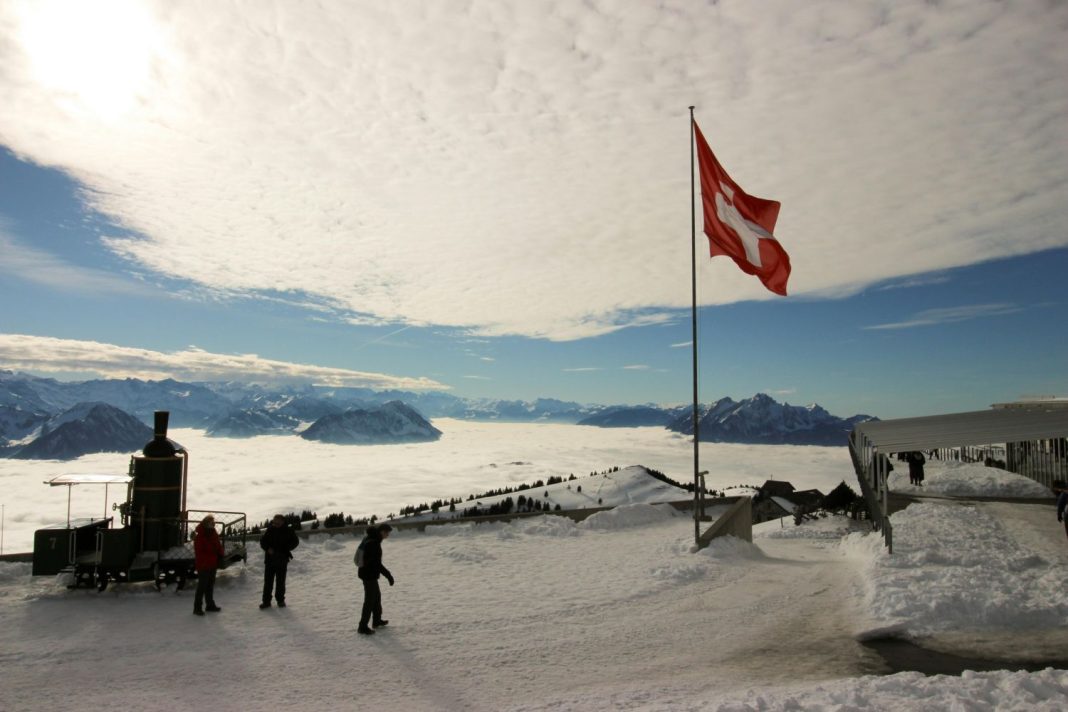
(618, 486)
(17, 422)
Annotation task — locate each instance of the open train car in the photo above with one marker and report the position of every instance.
(155, 539)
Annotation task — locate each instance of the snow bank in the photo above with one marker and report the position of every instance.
(13, 570)
(730, 550)
(954, 567)
(629, 515)
(625, 516)
(333, 543)
(966, 479)
(545, 525)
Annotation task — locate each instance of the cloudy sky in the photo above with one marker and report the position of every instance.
(493, 198)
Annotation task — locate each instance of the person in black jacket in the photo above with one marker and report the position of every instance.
(1062, 503)
(916, 461)
(369, 567)
(277, 543)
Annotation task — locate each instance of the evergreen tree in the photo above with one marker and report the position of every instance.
(840, 499)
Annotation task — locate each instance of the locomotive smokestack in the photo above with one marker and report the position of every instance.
(162, 416)
(160, 445)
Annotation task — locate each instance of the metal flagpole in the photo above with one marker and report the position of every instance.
(693, 315)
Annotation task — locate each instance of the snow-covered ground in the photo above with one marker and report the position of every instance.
(616, 612)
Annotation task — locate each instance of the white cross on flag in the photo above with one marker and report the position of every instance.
(740, 225)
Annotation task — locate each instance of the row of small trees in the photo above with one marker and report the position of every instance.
(340, 519)
(507, 505)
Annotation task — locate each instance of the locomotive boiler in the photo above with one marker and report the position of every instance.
(154, 541)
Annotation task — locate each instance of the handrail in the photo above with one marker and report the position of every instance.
(234, 530)
(869, 478)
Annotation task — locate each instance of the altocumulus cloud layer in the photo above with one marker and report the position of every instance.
(519, 166)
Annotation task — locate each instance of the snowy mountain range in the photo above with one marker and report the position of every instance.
(627, 416)
(210, 405)
(761, 420)
(233, 409)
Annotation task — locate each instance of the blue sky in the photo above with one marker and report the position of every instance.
(495, 203)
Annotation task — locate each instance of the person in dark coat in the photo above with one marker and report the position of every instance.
(916, 461)
(1062, 503)
(209, 552)
(369, 567)
(278, 543)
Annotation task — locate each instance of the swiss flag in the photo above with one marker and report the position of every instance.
(739, 225)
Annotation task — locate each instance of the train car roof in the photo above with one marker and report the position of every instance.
(89, 479)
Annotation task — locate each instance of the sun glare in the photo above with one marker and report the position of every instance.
(94, 55)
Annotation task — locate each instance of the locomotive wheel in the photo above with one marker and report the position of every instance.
(84, 578)
(101, 581)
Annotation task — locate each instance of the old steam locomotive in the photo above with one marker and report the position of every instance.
(154, 542)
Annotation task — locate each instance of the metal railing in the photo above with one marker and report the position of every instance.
(872, 476)
(233, 534)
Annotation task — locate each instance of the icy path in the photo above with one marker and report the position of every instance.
(1033, 527)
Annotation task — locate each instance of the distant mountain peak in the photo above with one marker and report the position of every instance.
(761, 419)
(86, 428)
(391, 422)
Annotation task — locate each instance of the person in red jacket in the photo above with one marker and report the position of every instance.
(209, 552)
